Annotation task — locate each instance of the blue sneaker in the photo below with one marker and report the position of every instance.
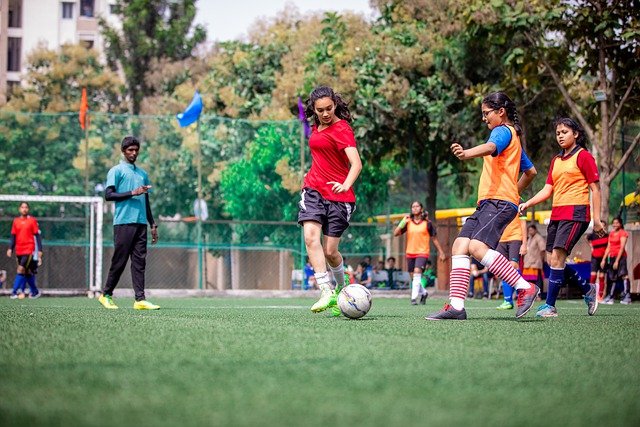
(591, 299)
(546, 310)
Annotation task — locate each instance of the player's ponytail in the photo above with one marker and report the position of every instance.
(341, 111)
(581, 140)
(498, 100)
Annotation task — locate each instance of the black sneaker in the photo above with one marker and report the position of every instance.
(448, 313)
(423, 298)
(526, 298)
(414, 302)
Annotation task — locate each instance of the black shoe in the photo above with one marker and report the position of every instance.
(414, 302)
(423, 298)
(448, 313)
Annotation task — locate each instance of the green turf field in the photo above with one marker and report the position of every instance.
(271, 362)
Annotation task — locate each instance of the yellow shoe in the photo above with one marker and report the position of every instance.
(107, 302)
(145, 305)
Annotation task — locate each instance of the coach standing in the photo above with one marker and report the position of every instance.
(128, 186)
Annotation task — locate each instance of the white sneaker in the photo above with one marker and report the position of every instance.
(325, 299)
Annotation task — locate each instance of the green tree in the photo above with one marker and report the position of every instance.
(55, 78)
(151, 30)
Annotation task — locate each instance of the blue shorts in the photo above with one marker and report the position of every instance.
(489, 221)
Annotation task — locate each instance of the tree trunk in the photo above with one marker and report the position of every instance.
(431, 187)
(605, 146)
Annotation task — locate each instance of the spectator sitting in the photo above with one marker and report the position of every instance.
(309, 278)
(365, 274)
(429, 275)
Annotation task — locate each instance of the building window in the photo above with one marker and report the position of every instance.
(88, 44)
(15, 14)
(86, 8)
(67, 10)
(13, 56)
(113, 9)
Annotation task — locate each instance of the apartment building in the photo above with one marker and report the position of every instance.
(25, 24)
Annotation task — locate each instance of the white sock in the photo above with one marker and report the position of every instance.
(457, 303)
(416, 284)
(322, 279)
(338, 273)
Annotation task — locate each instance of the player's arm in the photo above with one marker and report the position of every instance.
(605, 255)
(471, 153)
(598, 228)
(540, 197)
(402, 226)
(12, 245)
(39, 243)
(110, 194)
(355, 166)
(523, 230)
(152, 223)
(441, 253)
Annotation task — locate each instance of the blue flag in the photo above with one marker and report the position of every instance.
(192, 112)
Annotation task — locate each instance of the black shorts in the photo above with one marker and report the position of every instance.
(489, 221)
(420, 262)
(595, 264)
(510, 250)
(618, 273)
(29, 264)
(564, 234)
(334, 216)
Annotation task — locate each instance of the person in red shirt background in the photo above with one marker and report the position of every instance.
(327, 201)
(615, 259)
(25, 242)
(598, 247)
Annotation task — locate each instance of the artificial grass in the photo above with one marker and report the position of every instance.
(261, 362)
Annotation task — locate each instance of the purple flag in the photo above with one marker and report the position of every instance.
(303, 118)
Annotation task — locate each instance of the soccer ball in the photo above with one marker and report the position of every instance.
(354, 301)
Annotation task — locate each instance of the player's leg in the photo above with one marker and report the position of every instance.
(32, 270)
(123, 236)
(20, 280)
(138, 268)
(416, 281)
(507, 290)
(338, 218)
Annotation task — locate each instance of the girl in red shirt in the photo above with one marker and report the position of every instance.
(615, 258)
(327, 201)
(572, 175)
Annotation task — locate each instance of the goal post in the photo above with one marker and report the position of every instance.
(95, 225)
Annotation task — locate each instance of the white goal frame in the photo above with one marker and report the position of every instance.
(96, 205)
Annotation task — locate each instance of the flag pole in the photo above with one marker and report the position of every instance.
(86, 155)
(302, 247)
(199, 217)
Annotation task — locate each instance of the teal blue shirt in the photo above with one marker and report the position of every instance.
(127, 177)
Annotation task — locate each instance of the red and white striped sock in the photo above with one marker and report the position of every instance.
(459, 280)
(501, 267)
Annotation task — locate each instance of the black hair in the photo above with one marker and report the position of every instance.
(24, 203)
(532, 225)
(619, 220)
(581, 140)
(391, 258)
(342, 109)
(498, 100)
(425, 214)
(128, 141)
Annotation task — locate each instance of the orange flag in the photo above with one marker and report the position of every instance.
(84, 107)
